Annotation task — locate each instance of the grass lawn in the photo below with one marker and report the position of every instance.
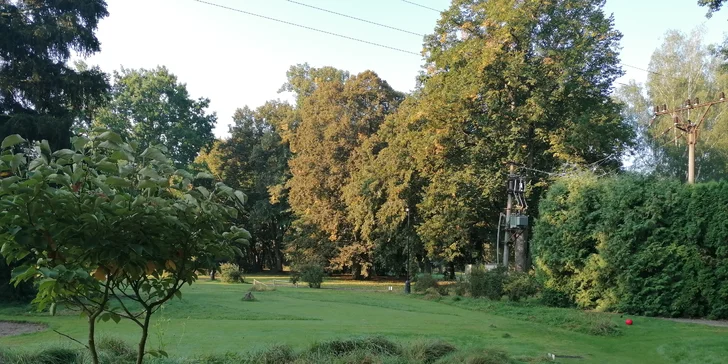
(211, 318)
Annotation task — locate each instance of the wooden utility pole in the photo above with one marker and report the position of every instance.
(509, 205)
(688, 127)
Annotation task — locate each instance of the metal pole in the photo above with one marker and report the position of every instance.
(497, 240)
(409, 247)
(692, 130)
(507, 236)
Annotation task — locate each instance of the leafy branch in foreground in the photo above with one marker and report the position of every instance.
(112, 232)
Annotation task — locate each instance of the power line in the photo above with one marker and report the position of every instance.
(355, 18)
(641, 69)
(422, 6)
(307, 27)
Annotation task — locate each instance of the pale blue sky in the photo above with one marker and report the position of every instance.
(236, 59)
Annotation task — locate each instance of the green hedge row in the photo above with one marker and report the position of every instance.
(636, 244)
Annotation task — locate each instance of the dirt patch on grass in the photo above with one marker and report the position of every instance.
(9, 328)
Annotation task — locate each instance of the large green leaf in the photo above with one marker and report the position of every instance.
(114, 181)
(11, 141)
(155, 154)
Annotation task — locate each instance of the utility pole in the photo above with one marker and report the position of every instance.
(409, 255)
(688, 127)
(507, 236)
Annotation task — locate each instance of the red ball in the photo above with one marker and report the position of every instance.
(628, 322)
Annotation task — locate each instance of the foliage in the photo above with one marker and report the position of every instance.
(681, 68)
(425, 281)
(429, 351)
(312, 274)
(153, 108)
(520, 285)
(41, 96)
(555, 298)
(636, 244)
(713, 5)
(103, 221)
(336, 119)
(375, 345)
(231, 273)
(294, 277)
(487, 283)
(255, 159)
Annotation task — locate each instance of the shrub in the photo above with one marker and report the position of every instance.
(231, 273)
(424, 282)
(295, 277)
(487, 284)
(520, 285)
(636, 244)
(429, 351)
(489, 357)
(276, 354)
(116, 348)
(555, 298)
(313, 275)
(461, 288)
(57, 356)
(443, 289)
(373, 345)
(432, 294)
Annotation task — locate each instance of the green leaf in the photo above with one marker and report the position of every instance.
(242, 198)
(147, 183)
(155, 154)
(53, 309)
(204, 175)
(11, 141)
(108, 145)
(44, 147)
(111, 136)
(63, 153)
(108, 167)
(105, 317)
(80, 142)
(149, 172)
(178, 294)
(115, 316)
(114, 181)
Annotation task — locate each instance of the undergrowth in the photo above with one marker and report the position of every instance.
(360, 350)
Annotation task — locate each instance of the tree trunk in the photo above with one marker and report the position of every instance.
(91, 339)
(521, 250)
(356, 271)
(452, 270)
(143, 340)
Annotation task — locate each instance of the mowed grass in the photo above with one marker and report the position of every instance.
(212, 319)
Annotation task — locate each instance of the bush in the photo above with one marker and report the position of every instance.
(429, 351)
(636, 244)
(313, 275)
(231, 273)
(424, 282)
(373, 345)
(276, 354)
(555, 298)
(487, 284)
(117, 348)
(432, 293)
(461, 288)
(520, 285)
(295, 277)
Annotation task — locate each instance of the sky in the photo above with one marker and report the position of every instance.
(237, 59)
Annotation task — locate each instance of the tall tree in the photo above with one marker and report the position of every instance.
(713, 5)
(335, 120)
(154, 108)
(508, 80)
(40, 95)
(255, 159)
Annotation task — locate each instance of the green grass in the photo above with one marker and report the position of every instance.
(212, 320)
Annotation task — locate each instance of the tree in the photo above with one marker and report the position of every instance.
(713, 5)
(152, 107)
(40, 95)
(507, 80)
(105, 226)
(255, 159)
(682, 68)
(335, 119)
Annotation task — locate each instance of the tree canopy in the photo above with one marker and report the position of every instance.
(41, 96)
(153, 107)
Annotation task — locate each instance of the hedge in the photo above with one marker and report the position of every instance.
(636, 244)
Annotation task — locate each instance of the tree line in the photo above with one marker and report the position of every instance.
(354, 175)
